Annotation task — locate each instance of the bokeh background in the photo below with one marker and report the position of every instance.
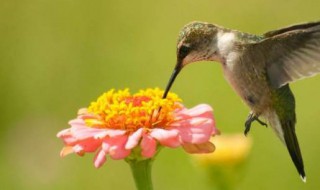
(58, 55)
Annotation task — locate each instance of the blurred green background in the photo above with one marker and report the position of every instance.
(56, 56)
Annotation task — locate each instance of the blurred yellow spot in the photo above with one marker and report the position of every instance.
(230, 150)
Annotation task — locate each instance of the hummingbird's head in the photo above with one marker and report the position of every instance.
(197, 42)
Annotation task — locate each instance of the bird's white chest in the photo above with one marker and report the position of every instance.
(225, 44)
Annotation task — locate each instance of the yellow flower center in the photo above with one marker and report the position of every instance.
(121, 110)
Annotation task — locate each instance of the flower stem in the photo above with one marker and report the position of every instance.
(141, 171)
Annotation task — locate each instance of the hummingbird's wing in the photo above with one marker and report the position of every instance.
(302, 26)
(290, 53)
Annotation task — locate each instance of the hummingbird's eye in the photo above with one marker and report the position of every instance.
(184, 51)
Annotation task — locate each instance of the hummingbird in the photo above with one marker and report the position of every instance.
(259, 68)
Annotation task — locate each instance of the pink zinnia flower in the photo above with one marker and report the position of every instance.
(122, 125)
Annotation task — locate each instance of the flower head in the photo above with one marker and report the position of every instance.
(128, 126)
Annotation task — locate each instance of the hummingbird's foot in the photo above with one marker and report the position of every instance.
(249, 120)
(261, 122)
(247, 124)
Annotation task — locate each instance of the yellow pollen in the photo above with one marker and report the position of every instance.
(121, 110)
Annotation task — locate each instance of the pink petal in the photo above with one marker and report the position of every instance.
(148, 146)
(110, 133)
(195, 130)
(134, 139)
(66, 150)
(79, 150)
(67, 137)
(106, 145)
(64, 132)
(206, 147)
(89, 145)
(195, 125)
(168, 138)
(201, 110)
(80, 130)
(117, 147)
(77, 122)
(100, 159)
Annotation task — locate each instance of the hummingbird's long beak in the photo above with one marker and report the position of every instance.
(174, 74)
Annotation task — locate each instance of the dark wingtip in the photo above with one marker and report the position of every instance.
(304, 178)
(293, 148)
(302, 174)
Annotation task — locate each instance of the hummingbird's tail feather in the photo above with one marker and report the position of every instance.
(293, 146)
(283, 120)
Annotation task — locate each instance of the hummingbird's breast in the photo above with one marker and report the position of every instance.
(248, 78)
